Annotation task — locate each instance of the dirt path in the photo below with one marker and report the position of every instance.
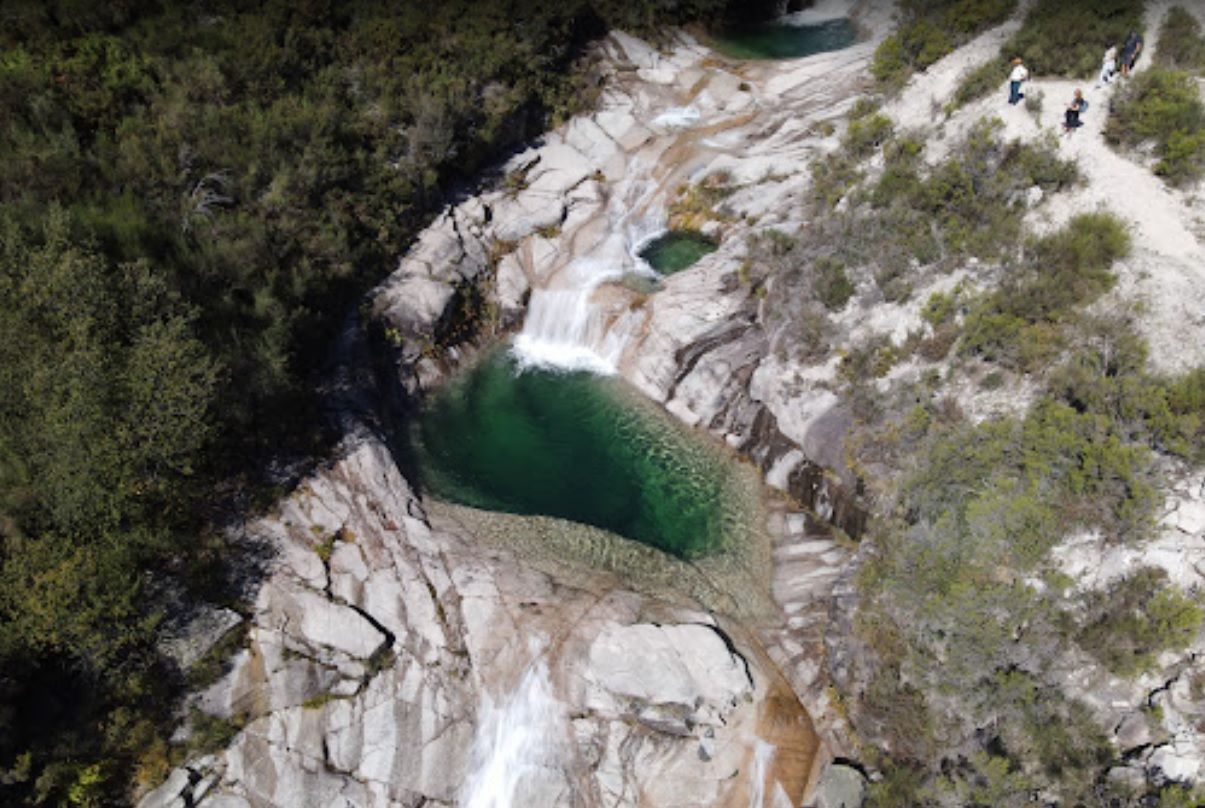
(1166, 271)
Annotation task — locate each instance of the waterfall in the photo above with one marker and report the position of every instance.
(677, 118)
(517, 754)
(563, 330)
(759, 796)
(819, 13)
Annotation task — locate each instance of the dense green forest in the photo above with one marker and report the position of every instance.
(191, 197)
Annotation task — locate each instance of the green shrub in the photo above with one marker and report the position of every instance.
(966, 206)
(1033, 102)
(866, 134)
(832, 178)
(929, 30)
(1130, 624)
(1063, 271)
(210, 733)
(1155, 105)
(940, 308)
(1108, 377)
(1060, 38)
(979, 82)
(1175, 795)
(1163, 107)
(832, 285)
(1181, 46)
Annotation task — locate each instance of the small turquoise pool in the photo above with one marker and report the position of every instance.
(676, 250)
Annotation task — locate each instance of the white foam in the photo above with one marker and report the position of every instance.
(517, 753)
(763, 755)
(823, 11)
(536, 353)
(678, 118)
(562, 329)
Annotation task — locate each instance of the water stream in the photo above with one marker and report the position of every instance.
(517, 753)
(542, 427)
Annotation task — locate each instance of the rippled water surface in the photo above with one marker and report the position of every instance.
(577, 446)
(780, 40)
(676, 250)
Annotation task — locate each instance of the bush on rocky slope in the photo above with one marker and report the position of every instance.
(1181, 45)
(930, 29)
(1162, 108)
(1135, 619)
(1059, 38)
(978, 82)
(961, 603)
(1017, 325)
(913, 215)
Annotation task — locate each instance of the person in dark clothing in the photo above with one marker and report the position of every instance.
(1130, 51)
(1071, 120)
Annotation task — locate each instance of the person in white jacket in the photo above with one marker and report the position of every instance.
(1018, 75)
(1108, 67)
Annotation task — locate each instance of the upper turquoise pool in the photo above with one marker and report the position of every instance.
(779, 40)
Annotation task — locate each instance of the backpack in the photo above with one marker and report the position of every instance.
(1083, 106)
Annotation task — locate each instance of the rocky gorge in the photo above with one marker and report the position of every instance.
(405, 650)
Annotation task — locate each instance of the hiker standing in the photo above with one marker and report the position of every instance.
(1108, 67)
(1018, 75)
(1130, 51)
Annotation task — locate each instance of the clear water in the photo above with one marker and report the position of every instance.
(676, 250)
(779, 40)
(576, 446)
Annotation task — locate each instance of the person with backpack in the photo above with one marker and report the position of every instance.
(1018, 75)
(1077, 107)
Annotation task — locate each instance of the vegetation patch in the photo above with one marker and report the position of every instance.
(1126, 627)
(978, 82)
(696, 205)
(1018, 324)
(930, 29)
(1181, 45)
(909, 219)
(192, 196)
(1162, 108)
(1058, 38)
(951, 607)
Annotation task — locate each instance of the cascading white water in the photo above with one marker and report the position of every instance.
(821, 12)
(563, 330)
(517, 754)
(677, 118)
(763, 755)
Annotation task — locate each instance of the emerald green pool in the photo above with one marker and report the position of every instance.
(676, 250)
(777, 40)
(576, 446)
